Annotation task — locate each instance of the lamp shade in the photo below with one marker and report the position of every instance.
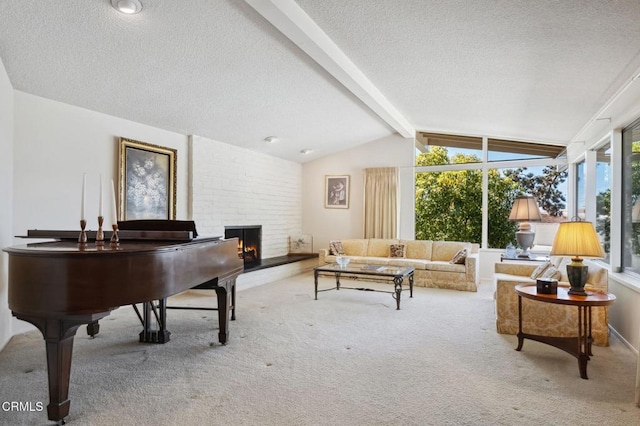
(525, 209)
(577, 239)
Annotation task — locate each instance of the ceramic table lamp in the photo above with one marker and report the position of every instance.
(577, 239)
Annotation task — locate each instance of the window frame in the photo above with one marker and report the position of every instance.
(484, 166)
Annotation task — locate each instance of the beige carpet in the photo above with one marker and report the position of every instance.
(348, 358)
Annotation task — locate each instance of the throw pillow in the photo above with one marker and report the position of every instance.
(397, 250)
(551, 272)
(540, 270)
(459, 257)
(335, 248)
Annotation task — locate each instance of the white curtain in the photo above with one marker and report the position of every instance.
(381, 202)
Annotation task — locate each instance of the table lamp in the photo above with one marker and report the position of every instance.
(577, 239)
(525, 210)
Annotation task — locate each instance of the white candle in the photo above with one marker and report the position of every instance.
(114, 215)
(84, 182)
(100, 203)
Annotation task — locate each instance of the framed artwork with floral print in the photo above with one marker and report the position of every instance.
(147, 186)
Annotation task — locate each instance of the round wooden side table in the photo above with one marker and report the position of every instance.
(579, 346)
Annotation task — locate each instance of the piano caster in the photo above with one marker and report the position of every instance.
(93, 328)
(60, 422)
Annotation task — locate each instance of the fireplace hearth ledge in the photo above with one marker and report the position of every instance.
(279, 260)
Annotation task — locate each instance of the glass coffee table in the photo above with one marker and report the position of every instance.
(396, 274)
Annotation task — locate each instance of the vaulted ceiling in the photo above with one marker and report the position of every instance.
(332, 74)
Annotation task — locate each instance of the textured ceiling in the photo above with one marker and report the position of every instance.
(535, 70)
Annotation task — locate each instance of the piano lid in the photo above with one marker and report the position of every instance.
(122, 234)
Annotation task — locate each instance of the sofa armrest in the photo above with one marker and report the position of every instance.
(322, 256)
(472, 267)
(515, 269)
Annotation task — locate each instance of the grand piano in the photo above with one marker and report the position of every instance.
(59, 286)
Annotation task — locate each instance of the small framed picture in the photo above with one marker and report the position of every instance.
(147, 181)
(336, 192)
(302, 243)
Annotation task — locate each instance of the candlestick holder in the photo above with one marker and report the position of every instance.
(115, 240)
(100, 232)
(82, 239)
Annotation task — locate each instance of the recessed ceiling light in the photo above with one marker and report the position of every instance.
(130, 7)
(305, 151)
(271, 139)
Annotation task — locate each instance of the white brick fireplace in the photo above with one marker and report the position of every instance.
(232, 186)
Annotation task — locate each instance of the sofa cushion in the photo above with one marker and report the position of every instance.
(370, 260)
(445, 250)
(513, 279)
(335, 248)
(442, 266)
(540, 270)
(551, 272)
(418, 249)
(597, 276)
(398, 250)
(459, 257)
(355, 247)
(353, 260)
(379, 247)
(418, 264)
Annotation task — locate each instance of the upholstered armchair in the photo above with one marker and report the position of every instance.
(546, 318)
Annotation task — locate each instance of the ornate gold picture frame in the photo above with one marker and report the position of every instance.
(147, 187)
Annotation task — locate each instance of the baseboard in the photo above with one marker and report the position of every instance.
(623, 340)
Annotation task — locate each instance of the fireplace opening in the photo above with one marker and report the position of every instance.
(249, 242)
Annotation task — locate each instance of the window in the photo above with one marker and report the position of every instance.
(631, 198)
(603, 197)
(450, 175)
(546, 183)
(501, 150)
(449, 205)
(467, 149)
(580, 209)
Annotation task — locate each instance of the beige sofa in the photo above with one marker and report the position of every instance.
(431, 260)
(546, 318)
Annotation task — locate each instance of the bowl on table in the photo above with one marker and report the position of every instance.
(343, 261)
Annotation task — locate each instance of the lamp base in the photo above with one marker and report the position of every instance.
(525, 238)
(577, 274)
(577, 292)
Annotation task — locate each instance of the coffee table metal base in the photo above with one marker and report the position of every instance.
(397, 283)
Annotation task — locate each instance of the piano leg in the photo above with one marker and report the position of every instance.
(224, 295)
(59, 340)
(233, 301)
(58, 334)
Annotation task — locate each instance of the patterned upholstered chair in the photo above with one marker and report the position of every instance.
(546, 318)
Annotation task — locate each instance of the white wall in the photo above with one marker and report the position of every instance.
(235, 186)
(56, 143)
(622, 110)
(6, 196)
(328, 224)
